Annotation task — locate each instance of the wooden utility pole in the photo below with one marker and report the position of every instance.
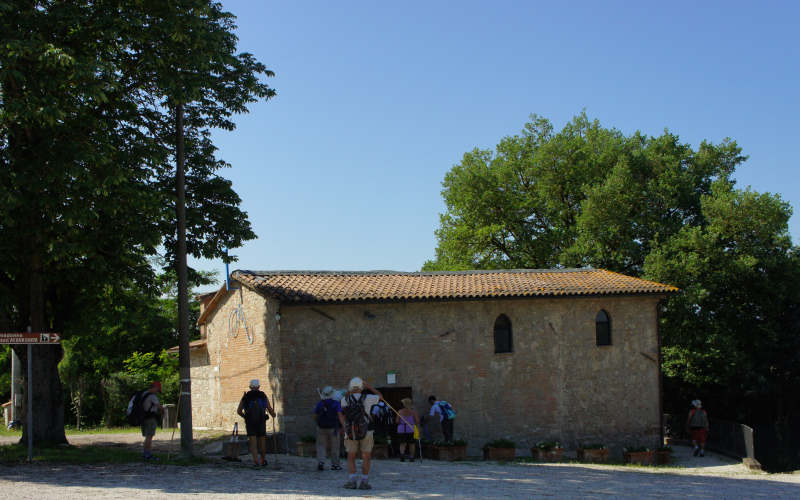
(185, 398)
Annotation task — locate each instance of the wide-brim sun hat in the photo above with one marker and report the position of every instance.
(255, 383)
(327, 392)
(356, 384)
(697, 403)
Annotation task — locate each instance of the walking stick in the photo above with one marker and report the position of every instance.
(177, 409)
(275, 466)
(406, 421)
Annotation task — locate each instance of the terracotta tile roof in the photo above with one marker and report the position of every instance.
(349, 286)
(194, 344)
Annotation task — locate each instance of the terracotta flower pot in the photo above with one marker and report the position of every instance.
(551, 455)
(595, 455)
(492, 453)
(380, 450)
(662, 457)
(305, 449)
(639, 457)
(448, 453)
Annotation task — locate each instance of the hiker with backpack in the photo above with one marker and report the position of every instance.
(407, 420)
(697, 423)
(382, 421)
(253, 408)
(355, 420)
(326, 416)
(446, 416)
(144, 410)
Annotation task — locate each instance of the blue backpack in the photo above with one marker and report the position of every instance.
(327, 418)
(448, 413)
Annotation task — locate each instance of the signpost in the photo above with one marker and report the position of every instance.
(30, 339)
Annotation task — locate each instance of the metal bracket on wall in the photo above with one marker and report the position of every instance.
(322, 313)
(648, 357)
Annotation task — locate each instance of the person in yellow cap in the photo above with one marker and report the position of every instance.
(253, 408)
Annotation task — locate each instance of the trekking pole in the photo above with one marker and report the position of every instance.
(274, 438)
(406, 422)
(177, 409)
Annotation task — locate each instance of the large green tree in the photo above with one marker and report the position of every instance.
(86, 154)
(651, 207)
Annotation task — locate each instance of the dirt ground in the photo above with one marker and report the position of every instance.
(712, 476)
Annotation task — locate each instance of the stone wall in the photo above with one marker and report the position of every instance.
(557, 384)
(237, 351)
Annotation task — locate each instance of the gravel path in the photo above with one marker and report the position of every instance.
(709, 477)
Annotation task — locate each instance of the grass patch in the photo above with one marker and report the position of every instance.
(90, 454)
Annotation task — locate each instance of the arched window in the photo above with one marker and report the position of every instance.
(502, 334)
(602, 325)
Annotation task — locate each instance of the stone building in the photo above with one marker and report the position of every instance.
(530, 355)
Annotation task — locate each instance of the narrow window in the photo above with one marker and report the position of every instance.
(603, 328)
(502, 334)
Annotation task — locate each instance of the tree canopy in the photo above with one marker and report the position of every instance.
(86, 155)
(650, 207)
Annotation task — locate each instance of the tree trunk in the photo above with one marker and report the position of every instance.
(48, 394)
(185, 397)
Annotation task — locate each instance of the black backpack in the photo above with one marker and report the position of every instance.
(327, 418)
(356, 418)
(135, 412)
(384, 419)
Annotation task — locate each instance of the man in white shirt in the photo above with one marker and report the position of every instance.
(355, 420)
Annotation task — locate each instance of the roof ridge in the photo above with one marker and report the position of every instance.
(409, 273)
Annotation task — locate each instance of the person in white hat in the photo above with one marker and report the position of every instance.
(698, 427)
(355, 420)
(253, 408)
(326, 416)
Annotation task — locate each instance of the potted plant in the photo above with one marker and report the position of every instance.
(499, 449)
(440, 450)
(380, 446)
(547, 451)
(638, 455)
(307, 446)
(663, 455)
(597, 453)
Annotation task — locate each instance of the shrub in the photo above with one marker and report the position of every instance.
(592, 446)
(548, 445)
(664, 448)
(635, 449)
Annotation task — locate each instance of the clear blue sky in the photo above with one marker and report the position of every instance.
(377, 101)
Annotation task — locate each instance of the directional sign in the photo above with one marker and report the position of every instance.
(30, 338)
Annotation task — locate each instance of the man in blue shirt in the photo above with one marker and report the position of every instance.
(326, 415)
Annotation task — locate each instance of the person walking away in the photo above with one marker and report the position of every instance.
(446, 416)
(356, 408)
(406, 420)
(697, 422)
(326, 416)
(382, 421)
(152, 411)
(253, 408)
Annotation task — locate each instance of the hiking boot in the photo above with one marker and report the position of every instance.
(364, 486)
(350, 485)
(263, 463)
(321, 466)
(336, 467)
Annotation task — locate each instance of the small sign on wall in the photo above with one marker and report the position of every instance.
(391, 377)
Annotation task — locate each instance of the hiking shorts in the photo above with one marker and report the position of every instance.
(406, 437)
(365, 445)
(257, 429)
(149, 426)
(699, 434)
